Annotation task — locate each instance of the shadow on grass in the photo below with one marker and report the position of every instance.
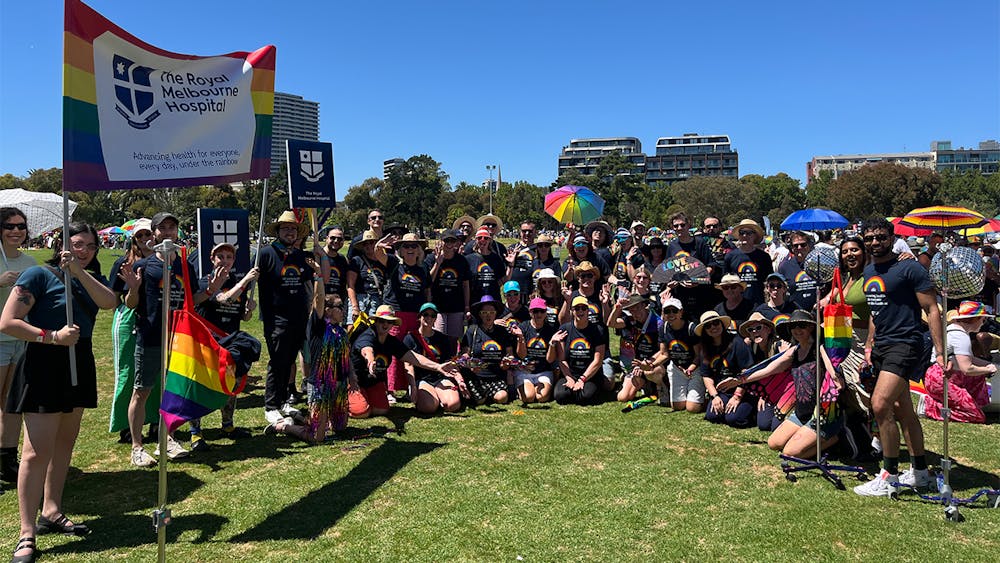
(328, 504)
(130, 530)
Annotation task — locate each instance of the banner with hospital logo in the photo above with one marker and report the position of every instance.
(310, 174)
(217, 226)
(136, 116)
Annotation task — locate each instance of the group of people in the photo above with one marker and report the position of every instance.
(465, 320)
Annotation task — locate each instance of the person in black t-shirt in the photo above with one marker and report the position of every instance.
(434, 391)
(750, 263)
(679, 355)
(486, 347)
(734, 305)
(639, 342)
(486, 268)
(534, 381)
(284, 310)
(581, 349)
(724, 355)
(371, 355)
(368, 274)
(521, 256)
(515, 309)
(776, 308)
(336, 283)
(449, 272)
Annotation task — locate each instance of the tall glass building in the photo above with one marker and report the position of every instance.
(294, 118)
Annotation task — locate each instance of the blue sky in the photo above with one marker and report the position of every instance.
(510, 83)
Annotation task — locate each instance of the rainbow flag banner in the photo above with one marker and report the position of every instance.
(200, 372)
(136, 116)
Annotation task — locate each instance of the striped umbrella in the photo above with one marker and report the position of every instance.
(943, 217)
(574, 204)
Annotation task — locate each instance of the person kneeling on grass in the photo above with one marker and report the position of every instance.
(581, 350)
(485, 348)
(796, 435)
(371, 357)
(723, 356)
(679, 358)
(534, 380)
(434, 391)
(968, 393)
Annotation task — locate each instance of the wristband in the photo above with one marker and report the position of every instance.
(41, 337)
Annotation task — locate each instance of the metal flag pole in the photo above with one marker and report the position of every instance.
(69, 288)
(260, 238)
(161, 516)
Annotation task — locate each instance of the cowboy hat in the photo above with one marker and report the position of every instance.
(711, 316)
(287, 216)
(798, 316)
(368, 236)
(635, 299)
(463, 219)
(586, 266)
(755, 318)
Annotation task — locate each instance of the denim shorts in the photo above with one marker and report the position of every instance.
(10, 351)
(829, 430)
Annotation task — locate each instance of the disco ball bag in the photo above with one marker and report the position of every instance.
(820, 264)
(965, 274)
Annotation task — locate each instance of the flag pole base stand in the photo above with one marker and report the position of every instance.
(161, 518)
(791, 465)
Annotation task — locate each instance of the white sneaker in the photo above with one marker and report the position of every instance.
(140, 458)
(289, 410)
(917, 478)
(922, 406)
(272, 416)
(876, 444)
(174, 449)
(882, 485)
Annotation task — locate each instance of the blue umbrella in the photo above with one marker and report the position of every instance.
(813, 220)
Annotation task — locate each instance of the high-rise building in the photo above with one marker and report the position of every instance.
(294, 118)
(388, 165)
(985, 159)
(584, 155)
(941, 157)
(691, 154)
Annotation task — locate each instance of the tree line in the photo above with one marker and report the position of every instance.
(417, 194)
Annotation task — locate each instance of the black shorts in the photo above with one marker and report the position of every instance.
(900, 359)
(41, 382)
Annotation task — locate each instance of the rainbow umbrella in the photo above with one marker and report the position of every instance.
(574, 204)
(111, 231)
(990, 226)
(129, 225)
(940, 217)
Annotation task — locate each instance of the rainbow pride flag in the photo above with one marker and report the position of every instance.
(136, 116)
(200, 372)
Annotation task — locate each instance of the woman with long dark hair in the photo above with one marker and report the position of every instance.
(51, 404)
(14, 224)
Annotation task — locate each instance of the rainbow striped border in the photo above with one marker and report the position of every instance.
(83, 156)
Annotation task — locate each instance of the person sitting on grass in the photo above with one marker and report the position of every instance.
(724, 355)
(581, 351)
(968, 393)
(534, 380)
(639, 343)
(758, 333)
(484, 347)
(434, 391)
(371, 357)
(678, 354)
(796, 436)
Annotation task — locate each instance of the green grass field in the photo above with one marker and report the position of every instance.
(544, 483)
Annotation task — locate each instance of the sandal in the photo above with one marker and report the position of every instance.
(26, 542)
(60, 525)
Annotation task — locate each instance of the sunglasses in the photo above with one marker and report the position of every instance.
(580, 245)
(713, 324)
(544, 245)
(776, 286)
(547, 280)
(870, 238)
(375, 218)
(410, 245)
(334, 306)
(586, 276)
(483, 238)
(730, 287)
(143, 234)
(537, 311)
(512, 293)
(801, 245)
(671, 311)
(336, 239)
(755, 328)
(680, 225)
(431, 314)
(713, 226)
(802, 326)
(527, 231)
(746, 232)
(580, 308)
(15, 226)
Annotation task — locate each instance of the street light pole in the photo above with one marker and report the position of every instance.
(490, 168)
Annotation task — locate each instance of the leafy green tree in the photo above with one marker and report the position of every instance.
(522, 201)
(777, 196)
(883, 189)
(817, 190)
(970, 189)
(10, 182)
(654, 204)
(45, 180)
(726, 198)
(411, 192)
(352, 215)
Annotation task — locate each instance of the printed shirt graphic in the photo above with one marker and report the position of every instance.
(537, 342)
(580, 346)
(524, 262)
(753, 269)
(407, 286)
(148, 325)
(486, 273)
(639, 341)
(680, 343)
(441, 347)
(891, 291)
(719, 366)
(446, 288)
(383, 351)
(490, 346)
(801, 287)
(283, 280)
(337, 284)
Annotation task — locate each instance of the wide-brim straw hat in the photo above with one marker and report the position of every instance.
(464, 219)
(755, 318)
(709, 316)
(411, 237)
(287, 216)
(489, 217)
(586, 266)
(784, 328)
(750, 223)
(594, 225)
(385, 313)
(730, 279)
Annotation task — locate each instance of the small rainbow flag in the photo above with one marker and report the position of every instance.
(136, 116)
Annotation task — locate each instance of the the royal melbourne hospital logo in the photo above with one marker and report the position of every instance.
(225, 231)
(134, 93)
(311, 165)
